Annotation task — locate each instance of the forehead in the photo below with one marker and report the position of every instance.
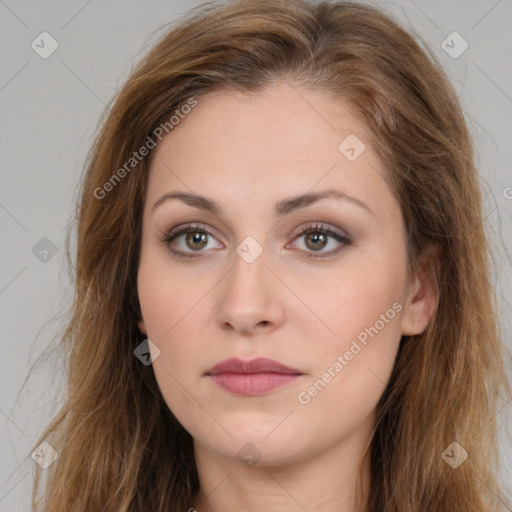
(282, 114)
(284, 140)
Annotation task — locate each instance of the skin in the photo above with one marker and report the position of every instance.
(247, 152)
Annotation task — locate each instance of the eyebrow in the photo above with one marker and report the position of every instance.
(283, 207)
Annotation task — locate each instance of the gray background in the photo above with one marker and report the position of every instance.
(49, 113)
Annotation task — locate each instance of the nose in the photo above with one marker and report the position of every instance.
(249, 302)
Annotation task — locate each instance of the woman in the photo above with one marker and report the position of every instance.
(283, 291)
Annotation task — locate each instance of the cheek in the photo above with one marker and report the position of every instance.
(168, 300)
(353, 362)
(348, 304)
(170, 311)
(351, 373)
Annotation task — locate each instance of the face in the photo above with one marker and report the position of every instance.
(320, 286)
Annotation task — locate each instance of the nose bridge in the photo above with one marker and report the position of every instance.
(249, 297)
(248, 276)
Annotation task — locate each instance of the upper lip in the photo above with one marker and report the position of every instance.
(258, 365)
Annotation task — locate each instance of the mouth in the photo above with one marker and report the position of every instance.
(252, 378)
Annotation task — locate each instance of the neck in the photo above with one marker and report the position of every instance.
(327, 482)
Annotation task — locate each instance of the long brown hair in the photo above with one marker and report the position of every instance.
(447, 381)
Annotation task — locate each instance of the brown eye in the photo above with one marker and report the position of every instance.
(188, 240)
(316, 241)
(196, 240)
(317, 237)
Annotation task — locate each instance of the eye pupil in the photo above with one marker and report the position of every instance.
(197, 238)
(316, 237)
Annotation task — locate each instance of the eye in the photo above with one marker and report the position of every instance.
(316, 238)
(192, 239)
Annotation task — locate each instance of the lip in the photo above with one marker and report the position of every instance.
(258, 365)
(252, 378)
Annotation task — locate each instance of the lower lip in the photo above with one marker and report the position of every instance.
(252, 384)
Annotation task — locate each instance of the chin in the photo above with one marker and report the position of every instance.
(253, 445)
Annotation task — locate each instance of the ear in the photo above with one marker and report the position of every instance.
(142, 327)
(422, 295)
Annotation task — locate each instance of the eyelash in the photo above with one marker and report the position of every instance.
(312, 228)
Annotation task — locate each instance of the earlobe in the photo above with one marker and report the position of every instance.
(142, 327)
(422, 299)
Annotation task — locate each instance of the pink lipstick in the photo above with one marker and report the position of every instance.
(252, 378)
